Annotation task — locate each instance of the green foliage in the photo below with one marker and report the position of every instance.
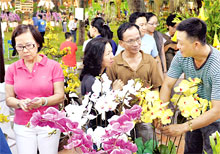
(151, 147)
(212, 9)
(148, 147)
(215, 143)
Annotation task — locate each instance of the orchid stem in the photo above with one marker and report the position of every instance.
(173, 145)
(179, 143)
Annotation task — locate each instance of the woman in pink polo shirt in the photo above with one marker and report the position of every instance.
(33, 84)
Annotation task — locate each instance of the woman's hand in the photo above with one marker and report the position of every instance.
(23, 104)
(35, 103)
(117, 85)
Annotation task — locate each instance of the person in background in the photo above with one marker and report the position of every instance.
(98, 58)
(35, 19)
(148, 44)
(152, 23)
(98, 28)
(33, 84)
(133, 63)
(170, 47)
(64, 24)
(69, 59)
(41, 25)
(196, 59)
(73, 27)
(87, 41)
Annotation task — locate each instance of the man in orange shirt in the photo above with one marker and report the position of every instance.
(69, 59)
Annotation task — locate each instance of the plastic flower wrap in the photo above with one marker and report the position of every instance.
(188, 102)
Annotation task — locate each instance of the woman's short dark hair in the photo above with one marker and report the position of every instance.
(148, 15)
(195, 29)
(103, 29)
(20, 29)
(93, 56)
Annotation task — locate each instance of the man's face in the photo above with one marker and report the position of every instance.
(131, 40)
(185, 44)
(172, 30)
(142, 23)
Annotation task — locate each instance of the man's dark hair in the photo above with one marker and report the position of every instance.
(39, 15)
(20, 29)
(195, 29)
(170, 19)
(122, 28)
(93, 56)
(148, 15)
(67, 35)
(134, 16)
(76, 19)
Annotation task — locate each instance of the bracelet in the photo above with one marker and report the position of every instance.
(190, 126)
(45, 101)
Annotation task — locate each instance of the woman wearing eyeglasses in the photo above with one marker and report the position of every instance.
(33, 84)
(152, 23)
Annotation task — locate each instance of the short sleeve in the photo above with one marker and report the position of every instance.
(215, 95)
(9, 76)
(175, 69)
(154, 52)
(57, 73)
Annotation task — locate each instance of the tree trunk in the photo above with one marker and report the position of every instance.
(118, 4)
(171, 9)
(2, 65)
(136, 6)
(82, 24)
(157, 7)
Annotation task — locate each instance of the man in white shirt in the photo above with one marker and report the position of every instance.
(73, 27)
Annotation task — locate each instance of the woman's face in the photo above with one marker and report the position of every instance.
(152, 24)
(26, 46)
(107, 56)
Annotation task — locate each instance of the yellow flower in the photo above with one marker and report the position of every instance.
(152, 96)
(165, 118)
(202, 13)
(174, 38)
(175, 98)
(183, 86)
(216, 43)
(3, 118)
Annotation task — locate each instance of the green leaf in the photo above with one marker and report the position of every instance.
(140, 146)
(149, 146)
(171, 146)
(163, 149)
(212, 143)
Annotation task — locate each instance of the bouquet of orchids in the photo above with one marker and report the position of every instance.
(109, 140)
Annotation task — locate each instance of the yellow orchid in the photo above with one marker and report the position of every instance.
(175, 98)
(216, 43)
(202, 13)
(174, 38)
(152, 96)
(183, 86)
(165, 118)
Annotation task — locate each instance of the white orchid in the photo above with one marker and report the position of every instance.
(97, 135)
(79, 113)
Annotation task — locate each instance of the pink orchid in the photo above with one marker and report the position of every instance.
(134, 112)
(53, 114)
(36, 119)
(121, 151)
(127, 126)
